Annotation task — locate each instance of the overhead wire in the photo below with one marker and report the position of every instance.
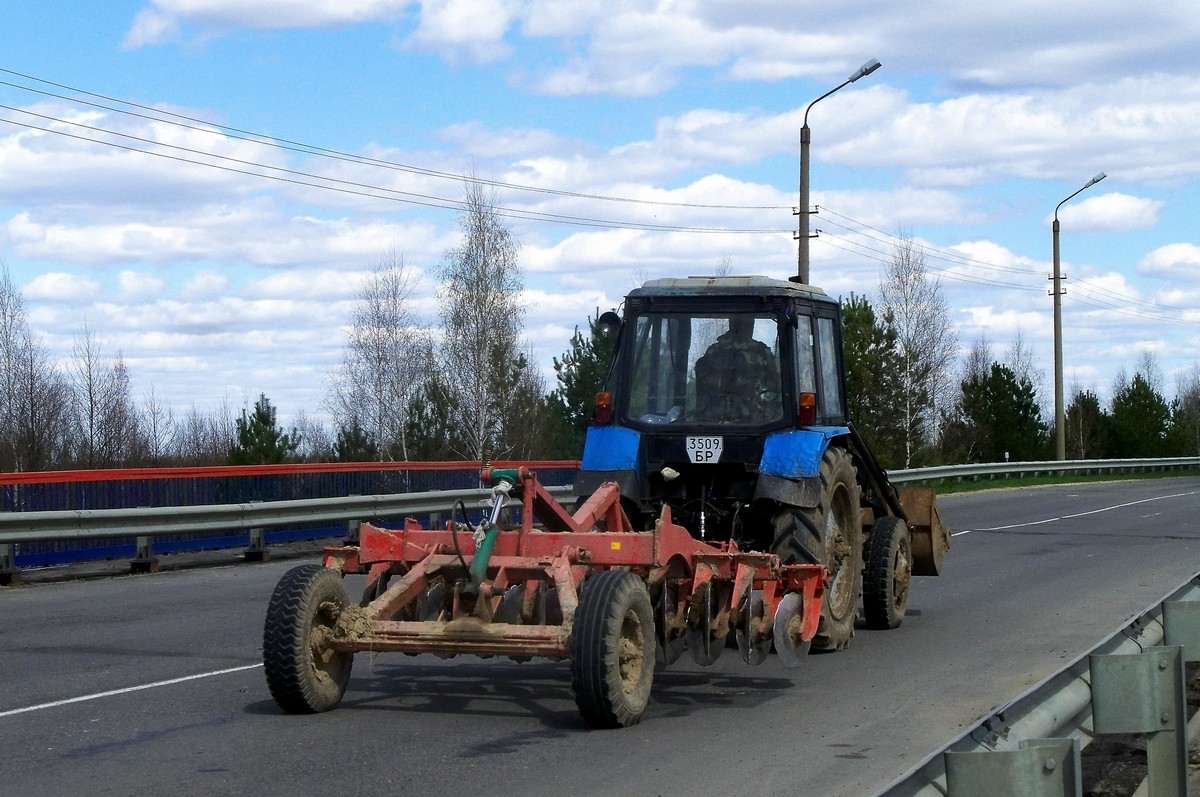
(202, 125)
(352, 187)
(1158, 310)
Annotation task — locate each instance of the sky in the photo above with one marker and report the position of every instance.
(204, 185)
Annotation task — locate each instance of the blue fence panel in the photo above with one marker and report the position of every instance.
(223, 489)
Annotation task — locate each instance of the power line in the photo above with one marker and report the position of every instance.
(930, 251)
(350, 186)
(963, 260)
(885, 257)
(193, 123)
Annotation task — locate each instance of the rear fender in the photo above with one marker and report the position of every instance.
(611, 454)
(790, 470)
(797, 454)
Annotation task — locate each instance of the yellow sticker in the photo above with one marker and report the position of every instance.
(616, 546)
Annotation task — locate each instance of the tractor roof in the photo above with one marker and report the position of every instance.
(728, 286)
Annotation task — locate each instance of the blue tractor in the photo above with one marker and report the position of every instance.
(726, 402)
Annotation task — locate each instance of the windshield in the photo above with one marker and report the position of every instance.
(706, 369)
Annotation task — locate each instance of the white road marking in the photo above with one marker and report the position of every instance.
(1076, 515)
(126, 690)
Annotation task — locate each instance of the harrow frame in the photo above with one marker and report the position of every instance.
(516, 592)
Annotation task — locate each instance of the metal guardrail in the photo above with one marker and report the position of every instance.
(1132, 682)
(149, 522)
(1023, 469)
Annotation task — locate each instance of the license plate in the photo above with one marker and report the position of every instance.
(705, 450)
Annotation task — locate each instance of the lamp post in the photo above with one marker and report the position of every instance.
(805, 140)
(1060, 432)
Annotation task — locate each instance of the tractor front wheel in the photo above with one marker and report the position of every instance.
(305, 675)
(612, 649)
(888, 573)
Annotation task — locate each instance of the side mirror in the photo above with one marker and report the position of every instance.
(608, 323)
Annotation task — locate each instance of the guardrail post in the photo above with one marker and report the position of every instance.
(352, 532)
(257, 552)
(1144, 693)
(145, 561)
(9, 573)
(1039, 768)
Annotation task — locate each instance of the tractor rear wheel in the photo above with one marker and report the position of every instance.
(888, 573)
(831, 534)
(612, 649)
(305, 675)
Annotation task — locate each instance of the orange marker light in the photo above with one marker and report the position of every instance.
(808, 409)
(604, 407)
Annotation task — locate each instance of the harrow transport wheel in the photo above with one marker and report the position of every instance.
(888, 572)
(612, 649)
(304, 675)
(832, 532)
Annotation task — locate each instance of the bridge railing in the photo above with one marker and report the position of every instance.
(119, 514)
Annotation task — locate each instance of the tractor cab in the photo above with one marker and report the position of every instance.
(711, 375)
(733, 353)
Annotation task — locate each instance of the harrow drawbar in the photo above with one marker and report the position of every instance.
(583, 586)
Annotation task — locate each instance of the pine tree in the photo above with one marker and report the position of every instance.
(580, 373)
(1139, 420)
(873, 379)
(1004, 412)
(259, 440)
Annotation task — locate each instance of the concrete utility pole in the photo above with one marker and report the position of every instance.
(1060, 432)
(805, 140)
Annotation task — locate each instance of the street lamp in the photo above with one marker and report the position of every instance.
(1060, 432)
(805, 140)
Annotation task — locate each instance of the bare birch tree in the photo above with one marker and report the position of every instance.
(205, 438)
(1186, 409)
(387, 359)
(34, 396)
(13, 334)
(157, 422)
(928, 345)
(106, 421)
(482, 318)
(315, 443)
(1022, 361)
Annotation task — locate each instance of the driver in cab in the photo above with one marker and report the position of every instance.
(737, 379)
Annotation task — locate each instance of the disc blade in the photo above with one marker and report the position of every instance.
(786, 632)
(754, 651)
(704, 649)
(509, 610)
(667, 649)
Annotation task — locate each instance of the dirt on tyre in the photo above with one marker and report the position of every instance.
(613, 650)
(305, 675)
(888, 573)
(837, 519)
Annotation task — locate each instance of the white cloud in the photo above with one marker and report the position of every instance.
(151, 26)
(139, 286)
(1113, 212)
(57, 286)
(206, 285)
(1179, 260)
(469, 29)
(162, 20)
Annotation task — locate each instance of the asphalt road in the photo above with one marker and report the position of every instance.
(152, 685)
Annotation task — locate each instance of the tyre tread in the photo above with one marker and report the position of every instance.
(285, 636)
(603, 601)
